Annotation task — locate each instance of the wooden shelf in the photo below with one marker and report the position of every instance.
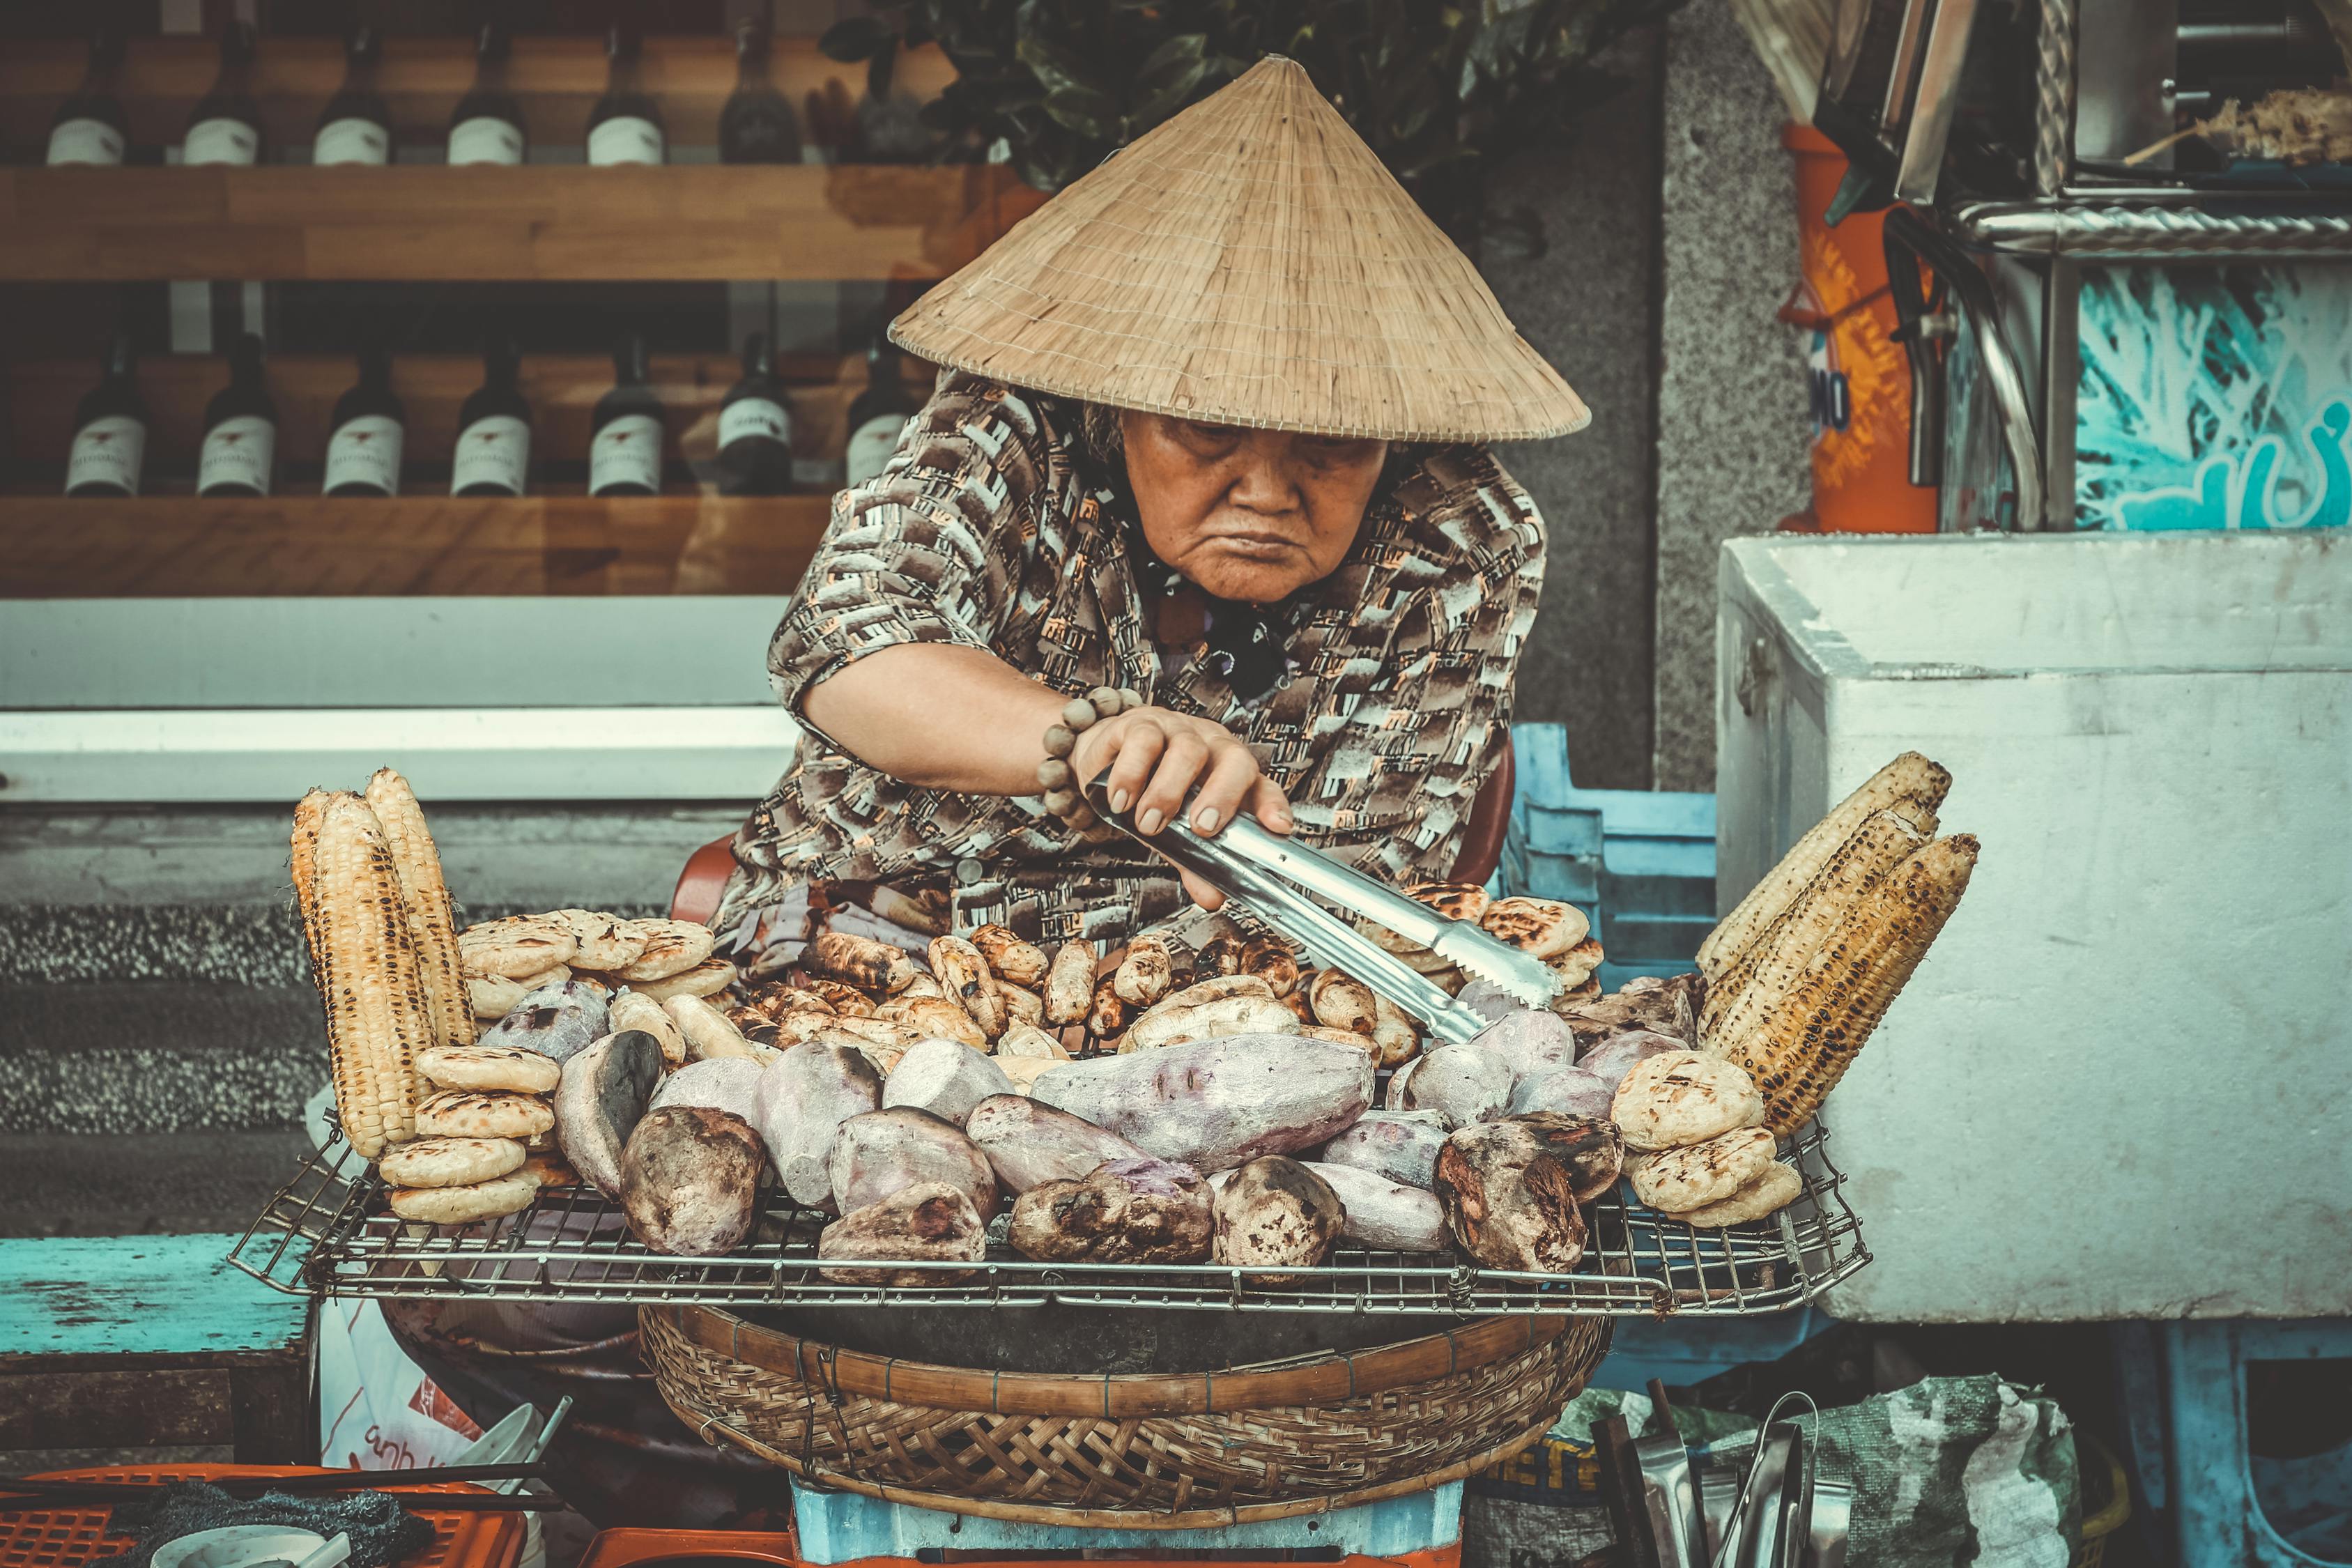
(546, 222)
(181, 547)
(557, 79)
(41, 397)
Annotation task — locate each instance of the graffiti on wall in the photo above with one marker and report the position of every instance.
(2215, 398)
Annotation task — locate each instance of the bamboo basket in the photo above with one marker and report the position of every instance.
(1130, 1452)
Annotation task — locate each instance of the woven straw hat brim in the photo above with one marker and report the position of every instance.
(1248, 262)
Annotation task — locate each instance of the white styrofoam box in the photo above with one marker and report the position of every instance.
(2120, 1086)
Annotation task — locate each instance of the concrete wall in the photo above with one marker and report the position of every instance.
(1671, 239)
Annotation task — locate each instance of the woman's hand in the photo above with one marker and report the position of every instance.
(1152, 761)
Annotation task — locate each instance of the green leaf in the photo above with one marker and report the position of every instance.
(1155, 106)
(855, 38)
(1055, 67)
(1180, 55)
(1085, 111)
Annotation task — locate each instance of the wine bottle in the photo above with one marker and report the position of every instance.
(227, 126)
(90, 126)
(626, 126)
(879, 413)
(109, 440)
(486, 126)
(757, 125)
(240, 430)
(625, 446)
(356, 127)
(364, 452)
(755, 428)
(493, 456)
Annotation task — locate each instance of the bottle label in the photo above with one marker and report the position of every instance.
(365, 450)
(85, 141)
(625, 139)
(351, 140)
(238, 451)
(754, 417)
(484, 139)
(626, 451)
(871, 445)
(221, 141)
(494, 451)
(108, 450)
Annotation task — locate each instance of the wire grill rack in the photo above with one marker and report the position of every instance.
(327, 1233)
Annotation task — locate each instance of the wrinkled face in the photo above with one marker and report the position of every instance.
(1253, 515)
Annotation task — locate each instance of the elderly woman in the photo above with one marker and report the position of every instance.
(1212, 434)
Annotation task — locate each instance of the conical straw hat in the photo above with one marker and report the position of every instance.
(1248, 262)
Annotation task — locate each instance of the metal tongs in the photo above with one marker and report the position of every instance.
(1273, 876)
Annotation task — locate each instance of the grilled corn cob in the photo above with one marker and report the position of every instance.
(377, 1018)
(1910, 785)
(1797, 1052)
(1765, 975)
(425, 895)
(302, 862)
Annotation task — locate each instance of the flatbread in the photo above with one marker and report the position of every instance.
(1676, 1098)
(515, 1067)
(448, 1162)
(456, 1206)
(672, 947)
(1678, 1180)
(552, 1170)
(605, 942)
(1454, 901)
(1773, 1191)
(482, 1114)
(1578, 965)
(494, 997)
(515, 947)
(705, 979)
(1544, 927)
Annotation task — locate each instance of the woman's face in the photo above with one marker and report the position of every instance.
(1253, 515)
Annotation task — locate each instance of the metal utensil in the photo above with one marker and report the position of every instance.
(1273, 876)
(1670, 1487)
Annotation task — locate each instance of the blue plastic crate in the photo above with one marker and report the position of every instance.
(1641, 863)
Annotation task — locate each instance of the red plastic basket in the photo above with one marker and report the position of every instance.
(69, 1537)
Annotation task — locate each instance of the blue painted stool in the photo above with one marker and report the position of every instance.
(134, 1342)
(2185, 1399)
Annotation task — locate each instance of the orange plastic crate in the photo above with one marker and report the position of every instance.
(69, 1537)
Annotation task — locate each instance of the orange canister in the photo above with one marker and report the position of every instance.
(1858, 383)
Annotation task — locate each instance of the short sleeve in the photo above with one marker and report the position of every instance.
(932, 549)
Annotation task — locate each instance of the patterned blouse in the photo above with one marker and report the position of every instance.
(990, 528)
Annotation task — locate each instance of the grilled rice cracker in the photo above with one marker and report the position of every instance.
(672, 947)
(1546, 928)
(448, 1162)
(1680, 1180)
(515, 1067)
(504, 1194)
(516, 948)
(1773, 1191)
(605, 942)
(482, 1114)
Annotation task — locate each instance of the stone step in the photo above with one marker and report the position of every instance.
(142, 1184)
(158, 1056)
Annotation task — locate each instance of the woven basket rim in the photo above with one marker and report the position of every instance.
(710, 1427)
(1335, 1375)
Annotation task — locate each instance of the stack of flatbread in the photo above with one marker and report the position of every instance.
(504, 960)
(484, 1144)
(1556, 932)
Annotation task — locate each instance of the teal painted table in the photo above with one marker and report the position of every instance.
(136, 1341)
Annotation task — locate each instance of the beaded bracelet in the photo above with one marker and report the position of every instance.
(1054, 773)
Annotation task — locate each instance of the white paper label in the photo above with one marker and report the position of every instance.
(85, 141)
(221, 141)
(494, 451)
(870, 445)
(484, 139)
(365, 450)
(107, 451)
(626, 451)
(625, 139)
(753, 416)
(351, 140)
(238, 451)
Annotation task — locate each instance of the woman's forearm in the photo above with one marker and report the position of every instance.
(939, 716)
